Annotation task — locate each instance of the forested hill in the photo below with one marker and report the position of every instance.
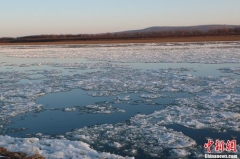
(148, 33)
(203, 28)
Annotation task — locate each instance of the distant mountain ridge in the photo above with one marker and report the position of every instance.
(203, 28)
(147, 33)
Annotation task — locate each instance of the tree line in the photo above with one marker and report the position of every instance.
(123, 35)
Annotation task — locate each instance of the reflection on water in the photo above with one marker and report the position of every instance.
(52, 120)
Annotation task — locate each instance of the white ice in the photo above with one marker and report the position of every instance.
(54, 148)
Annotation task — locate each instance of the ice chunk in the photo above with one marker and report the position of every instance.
(69, 109)
(115, 144)
(152, 96)
(124, 98)
(178, 153)
(102, 93)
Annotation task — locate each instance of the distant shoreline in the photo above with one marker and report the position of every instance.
(151, 40)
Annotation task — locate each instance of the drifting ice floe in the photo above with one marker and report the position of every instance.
(69, 109)
(100, 108)
(151, 96)
(124, 98)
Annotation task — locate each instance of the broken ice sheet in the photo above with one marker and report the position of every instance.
(105, 83)
(217, 108)
(19, 98)
(7, 77)
(217, 101)
(146, 136)
(184, 52)
(196, 118)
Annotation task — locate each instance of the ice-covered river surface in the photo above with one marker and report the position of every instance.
(118, 100)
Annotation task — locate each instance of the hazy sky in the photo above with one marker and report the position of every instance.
(31, 17)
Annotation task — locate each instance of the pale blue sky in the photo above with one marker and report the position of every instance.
(31, 17)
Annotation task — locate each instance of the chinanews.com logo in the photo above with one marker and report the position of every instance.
(219, 147)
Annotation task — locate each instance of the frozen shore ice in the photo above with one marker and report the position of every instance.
(55, 148)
